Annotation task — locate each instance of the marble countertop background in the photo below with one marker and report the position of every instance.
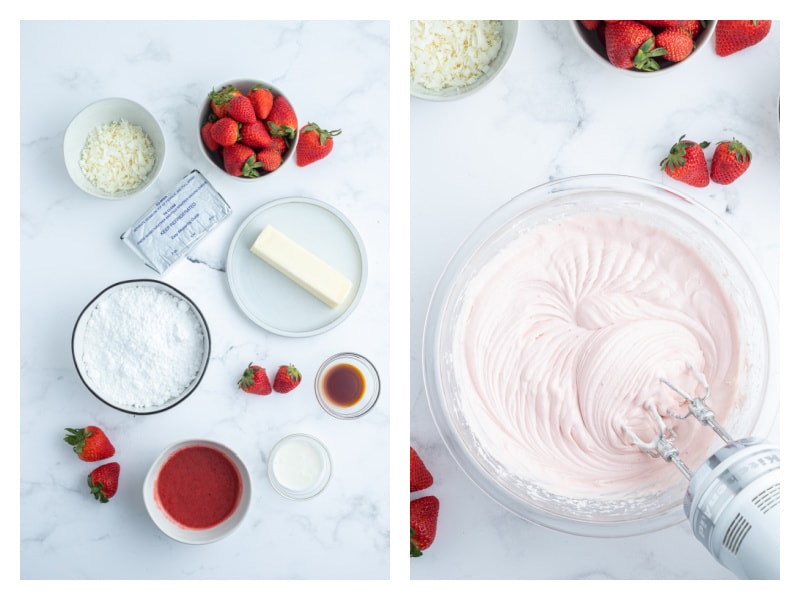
(553, 112)
(70, 250)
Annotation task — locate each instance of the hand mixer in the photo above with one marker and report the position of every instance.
(733, 499)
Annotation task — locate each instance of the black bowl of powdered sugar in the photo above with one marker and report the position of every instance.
(141, 346)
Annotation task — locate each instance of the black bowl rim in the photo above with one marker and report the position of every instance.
(182, 295)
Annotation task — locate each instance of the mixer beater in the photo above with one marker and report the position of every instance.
(733, 498)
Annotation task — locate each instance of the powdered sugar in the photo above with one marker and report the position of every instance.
(141, 347)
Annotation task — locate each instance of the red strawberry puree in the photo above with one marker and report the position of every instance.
(198, 487)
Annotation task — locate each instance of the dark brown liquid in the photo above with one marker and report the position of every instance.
(343, 384)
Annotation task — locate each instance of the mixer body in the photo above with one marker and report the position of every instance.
(733, 505)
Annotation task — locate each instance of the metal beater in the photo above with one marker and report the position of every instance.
(733, 499)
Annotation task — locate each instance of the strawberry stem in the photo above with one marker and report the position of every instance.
(77, 438)
(739, 149)
(644, 60)
(97, 490)
(251, 166)
(415, 551)
(324, 134)
(677, 154)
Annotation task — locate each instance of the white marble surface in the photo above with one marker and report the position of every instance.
(554, 113)
(70, 250)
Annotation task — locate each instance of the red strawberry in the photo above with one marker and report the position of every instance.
(255, 135)
(278, 144)
(255, 380)
(240, 160)
(262, 99)
(677, 42)
(240, 109)
(90, 443)
(424, 519)
(103, 481)
(225, 131)
(421, 477)
(269, 158)
(630, 44)
(282, 120)
(314, 143)
(694, 27)
(205, 134)
(286, 379)
(655, 23)
(731, 159)
(590, 25)
(220, 98)
(733, 36)
(687, 163)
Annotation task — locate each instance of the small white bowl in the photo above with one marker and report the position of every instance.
(510, 29)
(188, 535)
(590, 42)
(299, 466)
(79, 346)
(244, 86)
(103, 112)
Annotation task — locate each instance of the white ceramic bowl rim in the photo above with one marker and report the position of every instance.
(243, 84)
(586, 39)
(510, 30)
(435, 368)
(163, 286)
(107, 110)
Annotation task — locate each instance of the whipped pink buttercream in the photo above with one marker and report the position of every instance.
(560, 344)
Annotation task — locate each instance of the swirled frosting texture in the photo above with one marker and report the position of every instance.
(560, 344)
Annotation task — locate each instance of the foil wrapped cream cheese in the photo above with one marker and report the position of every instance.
(177, 222)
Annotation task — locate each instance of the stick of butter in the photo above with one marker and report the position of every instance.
(301, 266)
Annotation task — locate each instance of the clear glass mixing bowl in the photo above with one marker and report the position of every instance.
(729, 259)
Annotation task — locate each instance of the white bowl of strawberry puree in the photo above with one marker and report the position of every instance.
(549, 332)
(197, 491)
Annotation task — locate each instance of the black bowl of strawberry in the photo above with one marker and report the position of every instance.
(247, 128)
(643, 48)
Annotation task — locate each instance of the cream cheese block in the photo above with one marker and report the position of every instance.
(301, 266)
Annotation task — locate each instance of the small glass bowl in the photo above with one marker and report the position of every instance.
(347, 385)
(727, 256)
(299, 466)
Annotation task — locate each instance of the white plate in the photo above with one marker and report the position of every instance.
(272, 300)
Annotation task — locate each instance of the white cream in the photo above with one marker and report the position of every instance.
(561, 342)
(298, 464)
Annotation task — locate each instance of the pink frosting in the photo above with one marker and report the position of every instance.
(561, 342)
